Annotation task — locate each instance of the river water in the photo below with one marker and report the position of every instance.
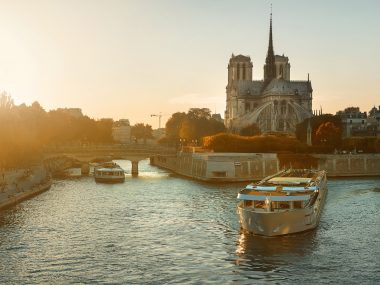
(163, 229)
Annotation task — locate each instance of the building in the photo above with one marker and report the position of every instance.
(73, 112)
(353, 121)
(373, 119)
(275, 104)
(121, 131)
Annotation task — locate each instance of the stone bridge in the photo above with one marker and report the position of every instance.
(91, 153)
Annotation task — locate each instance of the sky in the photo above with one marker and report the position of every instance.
(131, 59)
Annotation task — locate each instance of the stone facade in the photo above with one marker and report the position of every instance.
(352, 120)
(360, 124)
(275, 104)
(121, 131)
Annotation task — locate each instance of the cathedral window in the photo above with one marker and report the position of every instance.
(247, 107)
(283, 107)
(243, 71)
(238, 71)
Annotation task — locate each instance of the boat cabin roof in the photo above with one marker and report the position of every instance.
(290, 180)
(287, 185)
(109, 169)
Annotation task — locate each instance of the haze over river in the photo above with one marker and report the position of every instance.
(163, 229)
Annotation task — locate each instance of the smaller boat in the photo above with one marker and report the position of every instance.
(287, 202)
(109, 172)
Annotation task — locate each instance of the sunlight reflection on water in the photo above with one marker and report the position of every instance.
(159, 228)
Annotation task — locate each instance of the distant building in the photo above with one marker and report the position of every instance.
(275, 104)
(353, 121)
(373, 121)
(374, 117)
(121, 131)
(74, 112)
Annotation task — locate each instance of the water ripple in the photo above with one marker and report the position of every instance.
(162, 229)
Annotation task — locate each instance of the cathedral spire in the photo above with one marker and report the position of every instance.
(270, 67)
(270, 52)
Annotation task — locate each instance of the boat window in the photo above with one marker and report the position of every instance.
(259, 204)
(297, 204)
(283, 205)
(247, 203)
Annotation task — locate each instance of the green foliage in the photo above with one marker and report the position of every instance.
(191, 126)
(173, 126)
(141, 131)
(235, 143)
(297, 160)
(24, 130)
(315, 122)
(328, 134)
(364, 144)
(6, 102)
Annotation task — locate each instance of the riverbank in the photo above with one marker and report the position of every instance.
(238, 167)
(20, 184)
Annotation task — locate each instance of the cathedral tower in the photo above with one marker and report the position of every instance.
(239, 68)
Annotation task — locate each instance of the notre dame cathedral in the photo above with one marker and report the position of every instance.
(275, 104)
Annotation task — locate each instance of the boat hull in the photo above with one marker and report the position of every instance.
(261, 222)
(109, 179)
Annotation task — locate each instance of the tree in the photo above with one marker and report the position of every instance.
(6, 101)
(315, 122)
(141, 131)
(194, 125)
(199, 113)
(328, 134)
(173, 126)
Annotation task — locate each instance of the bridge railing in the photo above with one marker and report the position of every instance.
(136, 148)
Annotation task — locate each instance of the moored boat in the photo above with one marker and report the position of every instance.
(109, 172)
(287, 202)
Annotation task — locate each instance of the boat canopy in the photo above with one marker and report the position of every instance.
(273, 198)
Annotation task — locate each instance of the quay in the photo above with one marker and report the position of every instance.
(21, 184)
(238, 167)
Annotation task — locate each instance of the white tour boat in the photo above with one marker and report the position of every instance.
(289, 201)
(109, 172)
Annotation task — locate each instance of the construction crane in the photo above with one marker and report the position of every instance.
(159, 115)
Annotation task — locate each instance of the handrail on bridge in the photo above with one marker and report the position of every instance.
(136, 148)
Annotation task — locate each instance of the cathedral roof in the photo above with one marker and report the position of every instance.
(249, 88)
(275, 87)
(285, 87)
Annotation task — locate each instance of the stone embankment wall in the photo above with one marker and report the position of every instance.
(220, 166)
(233, 167)
(20, 184)
(341, 165)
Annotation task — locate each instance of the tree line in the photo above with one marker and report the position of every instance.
(189, 128)
(24, 130)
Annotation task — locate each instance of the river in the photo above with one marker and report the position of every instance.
(163, 229)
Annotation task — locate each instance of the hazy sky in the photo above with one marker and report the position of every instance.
(130, 59)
